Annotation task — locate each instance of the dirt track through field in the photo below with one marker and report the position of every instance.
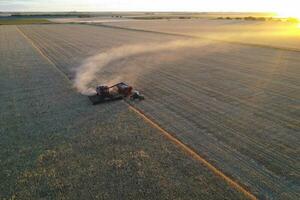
(167, 135)
(42, 54)
(193, 154)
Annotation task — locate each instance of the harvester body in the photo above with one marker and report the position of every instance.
(116, 92)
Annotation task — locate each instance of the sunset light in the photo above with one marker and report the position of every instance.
(286, 8)
(292, 10)
(149, 99)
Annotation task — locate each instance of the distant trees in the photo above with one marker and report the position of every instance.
(292, 20)
(251, 18)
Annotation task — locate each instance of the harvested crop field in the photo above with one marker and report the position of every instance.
(235, 105)
(275, 34)
(56, 145)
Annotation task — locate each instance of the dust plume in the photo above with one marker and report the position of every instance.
(87, 72)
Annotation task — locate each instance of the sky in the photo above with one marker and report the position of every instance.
(284, 7)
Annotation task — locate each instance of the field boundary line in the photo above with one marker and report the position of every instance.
(40, 52)
(165, 133)
(143, 30)
(200, 37)
(193, 154)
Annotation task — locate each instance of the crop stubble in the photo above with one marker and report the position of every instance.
(273, 34)
(234, 104)
(54, 144)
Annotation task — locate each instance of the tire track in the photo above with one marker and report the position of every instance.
(44, 55)
(192, 153)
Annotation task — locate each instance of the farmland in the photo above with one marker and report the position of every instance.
(55, 145)
(5, 21)
(275, 34)
(236, 105)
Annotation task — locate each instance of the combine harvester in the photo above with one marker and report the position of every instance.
(116, 92)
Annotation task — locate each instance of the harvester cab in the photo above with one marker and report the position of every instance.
(116, 92)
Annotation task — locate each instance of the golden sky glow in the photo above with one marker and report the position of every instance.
(284, 8)
(291, 9)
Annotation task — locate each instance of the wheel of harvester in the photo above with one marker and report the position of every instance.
(141, 97)
(137, 96)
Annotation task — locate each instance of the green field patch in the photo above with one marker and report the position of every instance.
(23, 21)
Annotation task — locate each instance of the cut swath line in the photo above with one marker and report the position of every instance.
(167, 135)
(40, 51)
(193, 154)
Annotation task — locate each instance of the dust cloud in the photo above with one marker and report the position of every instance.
(86, 73)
